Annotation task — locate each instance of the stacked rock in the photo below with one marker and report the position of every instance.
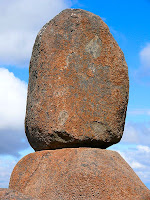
(77, 97)
(78, 84)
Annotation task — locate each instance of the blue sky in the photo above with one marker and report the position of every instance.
(21, 20)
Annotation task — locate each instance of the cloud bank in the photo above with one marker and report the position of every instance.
(13, 101)
(12, 113)
(20, 21)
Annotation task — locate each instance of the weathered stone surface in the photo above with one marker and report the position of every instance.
(78, 84)
(13, 195)
(77, 173)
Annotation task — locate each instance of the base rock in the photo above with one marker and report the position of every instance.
(9, 194)
(77, 173)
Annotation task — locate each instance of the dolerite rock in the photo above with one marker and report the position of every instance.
(13, 195)
(77, 173)
(78, 84)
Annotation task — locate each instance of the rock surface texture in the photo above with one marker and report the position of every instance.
(8, 194)
(77, 173)
(78, 84)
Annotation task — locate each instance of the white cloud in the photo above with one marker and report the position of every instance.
(20, 22)
(130, 159)
(12, 102)
(130, 133)
(137, 133)
(138, 157)
(143, 148)
(139, 112)
(142, 74)
(6, 166)
(137, 165)
(145, 57)
(12, 113)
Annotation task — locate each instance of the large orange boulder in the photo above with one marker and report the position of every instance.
(77, 173)
(78, 84)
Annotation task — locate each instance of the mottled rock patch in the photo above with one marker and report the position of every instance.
(9, 194)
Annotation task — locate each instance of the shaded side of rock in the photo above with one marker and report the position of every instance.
(78, 84)
(82, 173)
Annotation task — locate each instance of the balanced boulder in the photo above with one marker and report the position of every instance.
(77, 173)
(78, 84)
